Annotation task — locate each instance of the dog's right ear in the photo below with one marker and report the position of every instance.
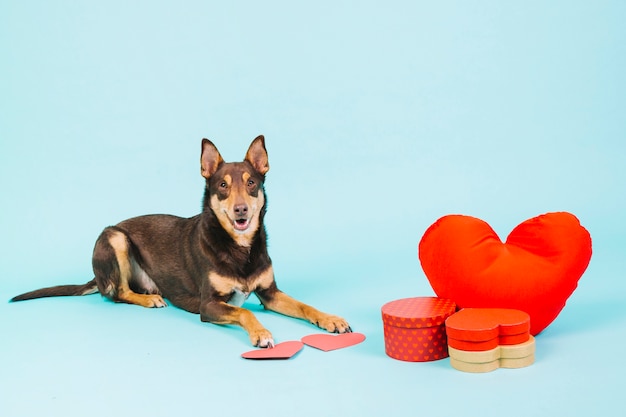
(210, 160)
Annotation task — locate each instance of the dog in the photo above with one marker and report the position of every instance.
(207, 264)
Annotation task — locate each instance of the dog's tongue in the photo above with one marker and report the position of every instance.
(241, 224)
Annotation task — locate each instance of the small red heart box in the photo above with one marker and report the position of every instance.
(480, 329)
(414, 328)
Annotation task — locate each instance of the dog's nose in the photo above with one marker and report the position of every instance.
(241, 210)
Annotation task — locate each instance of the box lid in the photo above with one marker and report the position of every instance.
(484, 324)
(417, 312)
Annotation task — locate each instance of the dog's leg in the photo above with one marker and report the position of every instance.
(218, 312)
(112, 267)
(276, 300)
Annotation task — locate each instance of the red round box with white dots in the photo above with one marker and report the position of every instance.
(414, 328)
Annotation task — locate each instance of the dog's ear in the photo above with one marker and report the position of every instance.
(257, 155)
(210, 160)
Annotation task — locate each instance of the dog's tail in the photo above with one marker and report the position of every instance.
(60, 290)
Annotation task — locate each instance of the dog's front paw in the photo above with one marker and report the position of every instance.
(262, 338)
(157, 301)
(333, 324)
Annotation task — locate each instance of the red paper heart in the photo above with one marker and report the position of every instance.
(283, 350)
(327, 342)
(535, 271)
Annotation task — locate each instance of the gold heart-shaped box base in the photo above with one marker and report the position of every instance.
(504, 356)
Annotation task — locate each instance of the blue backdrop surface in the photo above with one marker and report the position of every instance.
(379, 119)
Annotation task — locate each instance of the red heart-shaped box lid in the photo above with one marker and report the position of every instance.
(476, 329)
(535, 270)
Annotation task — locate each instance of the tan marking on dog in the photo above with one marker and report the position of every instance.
(90, 291)
(124, 293)
(225, 212)
(264, 279)
(259, 335)
(225, 285)
(289, 306)
(255, 207)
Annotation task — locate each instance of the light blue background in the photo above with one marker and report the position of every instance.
(380, 117)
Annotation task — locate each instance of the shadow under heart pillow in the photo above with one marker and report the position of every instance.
(535, 270)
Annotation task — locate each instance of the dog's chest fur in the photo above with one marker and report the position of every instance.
(235, 291)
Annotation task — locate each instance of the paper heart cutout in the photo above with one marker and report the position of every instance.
(328, 342)
(283, 350)
(481, 329)
(535, 270)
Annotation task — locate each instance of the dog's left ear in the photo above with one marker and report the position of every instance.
(210, 160)
(257, 155)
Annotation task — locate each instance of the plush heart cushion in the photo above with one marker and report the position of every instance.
(535, 270)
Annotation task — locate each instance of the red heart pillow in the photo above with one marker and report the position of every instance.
(535, 271)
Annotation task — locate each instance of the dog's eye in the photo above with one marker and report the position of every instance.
(223, 184)
(251, 183)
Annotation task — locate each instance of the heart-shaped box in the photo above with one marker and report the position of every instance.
(414, 328)
(480, 329)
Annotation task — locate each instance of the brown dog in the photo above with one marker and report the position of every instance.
(207, 264)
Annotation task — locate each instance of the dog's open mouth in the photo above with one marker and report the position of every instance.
(241, 224)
